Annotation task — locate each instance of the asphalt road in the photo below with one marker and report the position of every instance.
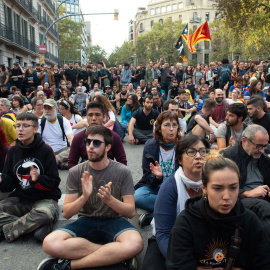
(26, 254)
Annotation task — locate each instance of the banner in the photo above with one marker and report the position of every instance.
(180, 47)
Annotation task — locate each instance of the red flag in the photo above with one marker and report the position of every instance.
(202, 33)
(103, 63)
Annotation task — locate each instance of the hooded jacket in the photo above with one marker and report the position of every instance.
(16, 174)
(201, 237)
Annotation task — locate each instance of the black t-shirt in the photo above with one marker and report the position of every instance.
(4, 94)
(192, 123)
(141, 75)
(71, 75)
(264, 122)
(145, 122)
(191, 88)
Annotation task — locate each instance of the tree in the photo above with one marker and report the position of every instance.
(97, 54)
(249, 22)
(70, 32)
(160, 41)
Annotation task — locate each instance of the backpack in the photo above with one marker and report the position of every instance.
(110, 77)
(225, 74)
(61, 123)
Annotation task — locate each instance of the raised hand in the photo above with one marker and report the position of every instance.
(104, 193)
(156, 170)
(87, 184)
(34, 173)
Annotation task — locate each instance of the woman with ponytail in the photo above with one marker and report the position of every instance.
(216, 230)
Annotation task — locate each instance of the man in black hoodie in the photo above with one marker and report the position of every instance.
(31, 173)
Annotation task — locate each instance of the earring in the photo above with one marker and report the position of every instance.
(205, 197)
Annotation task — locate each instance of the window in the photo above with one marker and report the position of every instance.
(206, 58)
(152, 23)
(174, 6)
(17, 23)
(207, 16)
(163, 9)
(8, 17)
(180, 5)
(157, 10)
(39, 11)
(141, 26)
(194, 27)
(160, 21)
(152, 12)
(24, 29)
(195, 15)
(32, 34)
(169, 8)
(206, 44)
(180, 17)
(40, 38)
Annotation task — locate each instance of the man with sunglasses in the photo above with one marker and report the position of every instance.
(30, 173)
(254, 166)
(100, 191)
(95, 117)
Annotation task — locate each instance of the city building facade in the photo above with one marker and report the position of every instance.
(73, 7)
(193, 12)
(23, 25)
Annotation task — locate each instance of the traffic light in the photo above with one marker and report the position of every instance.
(116, 14)
(41, 59)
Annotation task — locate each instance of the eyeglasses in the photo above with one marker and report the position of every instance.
(192, 152)
(167, 125)
(96, 143)
(258, 146)
(23, 126)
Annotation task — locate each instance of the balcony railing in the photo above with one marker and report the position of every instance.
(46, 24)
(50, 4)
(19, 40)
(195, 19)
(27, 5)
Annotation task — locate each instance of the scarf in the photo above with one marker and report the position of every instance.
(167, 146)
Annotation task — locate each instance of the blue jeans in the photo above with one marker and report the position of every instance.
(145, 197)
(124, 126)
(98, 230)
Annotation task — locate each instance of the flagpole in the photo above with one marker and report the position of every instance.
(210, 47)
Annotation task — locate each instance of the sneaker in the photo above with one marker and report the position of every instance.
(43, 231)
(54, 263)
(145, 219)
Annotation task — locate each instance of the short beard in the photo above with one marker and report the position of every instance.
(51, 117)
(97, 159)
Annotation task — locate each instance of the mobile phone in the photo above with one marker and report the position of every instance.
(151, 160)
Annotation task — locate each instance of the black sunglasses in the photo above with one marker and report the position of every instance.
(96, 143)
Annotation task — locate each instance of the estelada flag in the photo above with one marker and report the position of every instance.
(180, 47)
(202, 33)
(103, 64)
(185, 34)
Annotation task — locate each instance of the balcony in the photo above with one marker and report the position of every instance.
(195, 19)
(27, 7)
(50, 5)
(51, 57)
(141, 30)
(45, 24)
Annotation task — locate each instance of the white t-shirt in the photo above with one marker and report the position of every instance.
(230, 101)
(167, 161)
(73, 121)
(53, 136)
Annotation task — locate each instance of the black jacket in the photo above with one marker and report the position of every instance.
(241, 158)
(16, 174)
(201, 237)
(150, 154)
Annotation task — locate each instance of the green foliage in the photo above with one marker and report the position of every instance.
(160, 41)
(123, 54)
(97, 54)
(245, 24)
(70, 32)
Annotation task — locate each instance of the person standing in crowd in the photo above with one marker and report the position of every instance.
(144, 119)
(4, 76)
(46, 76)
(166, 76)
(104, 76)
(228, 231)
(56, 74)
(28, 80)
(140, 74)
(36, 73)
(84, 75)
(125, 76)
(159, 162)
(150, 73)
(71, 75)
(183, 184)
(31, 174)
(16, 75)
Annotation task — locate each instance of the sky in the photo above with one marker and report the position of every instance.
(107, 32)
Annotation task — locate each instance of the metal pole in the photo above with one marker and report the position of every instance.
(70, 15)
(61, 4)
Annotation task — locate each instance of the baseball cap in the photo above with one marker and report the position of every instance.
(50, 102)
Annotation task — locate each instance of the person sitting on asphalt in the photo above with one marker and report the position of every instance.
(95, 116)
(30, 173)
(183, 184)
(5, 110)
(230, 132)
(158, 163)
(144, 119)
(101, 191)
(254, 166)
(8, 127)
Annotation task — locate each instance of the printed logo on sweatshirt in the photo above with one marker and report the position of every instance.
(215, 253)
(23, 171)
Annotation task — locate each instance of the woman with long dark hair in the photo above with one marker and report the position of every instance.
(254, 89)
(68, 110)
(17, 105)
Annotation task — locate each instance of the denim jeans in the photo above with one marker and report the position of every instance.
(145, 197)
(124, 126)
